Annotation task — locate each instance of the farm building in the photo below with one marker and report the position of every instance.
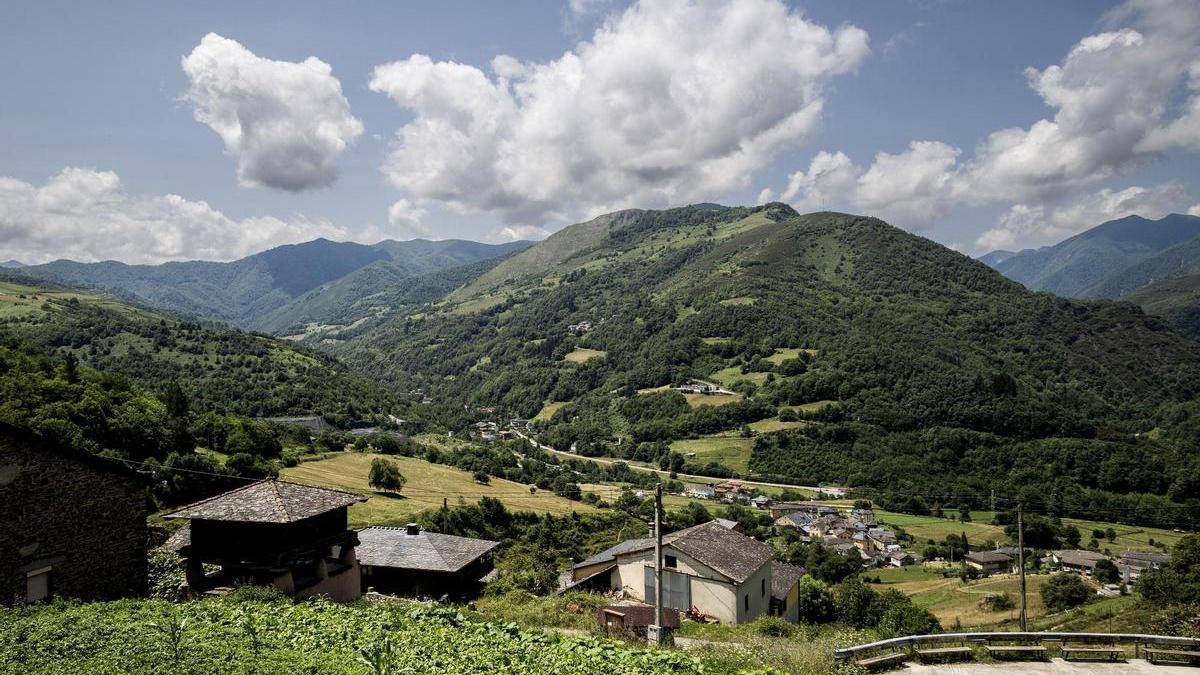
(1077, 560)
(276, 533)
(722, 573)
(74, 524)
(785, 591)
(411, 561)
(1133, 563)
(989, 562)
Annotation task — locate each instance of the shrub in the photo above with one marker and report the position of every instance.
(773, 626)
(997, 602)
(1064, 591)
(814, 600)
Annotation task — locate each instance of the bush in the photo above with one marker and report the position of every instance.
(164, 575)
(997, 602)
(1065, 591)
(854, 604)
(773, 626)
(814, 600)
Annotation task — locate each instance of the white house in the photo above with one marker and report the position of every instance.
(722, 573)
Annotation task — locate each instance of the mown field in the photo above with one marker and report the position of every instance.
(952, 601)
(428, 484)
(732, 452)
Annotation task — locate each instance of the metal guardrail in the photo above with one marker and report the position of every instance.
(1107, 638)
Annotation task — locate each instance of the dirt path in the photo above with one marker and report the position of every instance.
(680, 476)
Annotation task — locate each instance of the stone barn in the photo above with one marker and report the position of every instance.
(74, 523)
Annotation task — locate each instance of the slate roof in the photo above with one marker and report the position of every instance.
(726, 523)
(178, 541)
(731, 553)
(783, 577)
(610, 554)
(984, 557)
(269, 501)
(1079, 557)
(430, 551)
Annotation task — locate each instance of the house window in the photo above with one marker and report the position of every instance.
(671, 561)
(37, 585)
(763, 583)
(746, 601)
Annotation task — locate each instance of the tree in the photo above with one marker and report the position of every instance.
(176, 401)
(481, 477)
(814, 600)
(1064, 591)
(385, 476)
(964, 513)
(1106, 572)
(855, 603)
(1111, 535)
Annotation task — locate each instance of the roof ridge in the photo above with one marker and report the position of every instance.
(279, 502)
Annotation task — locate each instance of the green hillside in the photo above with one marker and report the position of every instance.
(1176, 300)
(221, 369)
(908, 336)
(1177, 261)
(260, 292)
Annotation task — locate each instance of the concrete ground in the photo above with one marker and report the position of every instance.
(1052, 667)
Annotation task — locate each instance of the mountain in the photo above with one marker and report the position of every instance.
(853, 338)
(256, 291)
(1176, 300)
(1074, 265)
(220, 369)
(995, 257)
(1177, 261)
(12, 264)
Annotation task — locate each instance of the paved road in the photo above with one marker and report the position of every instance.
(681, 476)
(1053, 667)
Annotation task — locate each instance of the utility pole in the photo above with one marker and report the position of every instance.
(993, 504)
(445, 516)
(655, 632)
(1021, 559)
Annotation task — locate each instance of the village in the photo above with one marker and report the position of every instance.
(295, 538)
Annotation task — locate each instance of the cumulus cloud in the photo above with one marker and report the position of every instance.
(1112, 95)
(405, 217)
(1194, 211)
(669, 101)
(518, 233)
(285, 123)
(1045, 223)
(83, 214)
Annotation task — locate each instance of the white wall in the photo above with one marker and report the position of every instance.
(711, 592)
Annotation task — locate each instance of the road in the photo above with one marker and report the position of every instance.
(680, 476)
(1051, 667)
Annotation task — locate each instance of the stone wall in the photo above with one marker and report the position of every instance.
(77, 515)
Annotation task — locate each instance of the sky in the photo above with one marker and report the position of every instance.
(149, 131)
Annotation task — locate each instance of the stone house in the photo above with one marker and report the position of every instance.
(74, 523)
(989, 562)
(410, 561)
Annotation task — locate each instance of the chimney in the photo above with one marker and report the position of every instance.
(412, 529)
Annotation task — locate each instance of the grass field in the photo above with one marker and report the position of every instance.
(774, 424)
(808, 407)
(427, 485)
(782, 355)
(581, 355)
(1129, 537)
(726, 377)
(732, 452)
(950, 600)
(928, 527)
(12, 304)
(739, 301)
(548, 410)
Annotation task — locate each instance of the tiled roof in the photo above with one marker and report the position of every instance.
(1079, 557)
(269, 501)
(609, 554)
(783, 577)
(731, 553)
(394, 547)
(178, 541)
(989, 557)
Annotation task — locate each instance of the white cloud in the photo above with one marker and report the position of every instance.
(285, 123)
(518, 233)
(1047, 223)
(1112, 95)
(1194, 211)
(83, 214)
(670, 101)
(405, 217)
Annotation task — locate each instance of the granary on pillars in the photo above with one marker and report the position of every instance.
(290, 536)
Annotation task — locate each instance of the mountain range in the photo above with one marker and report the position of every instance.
(1133, 258)
(289, 288)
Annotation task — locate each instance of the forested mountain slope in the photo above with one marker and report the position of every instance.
(1073, 266)
(224, 370)
(904, 335)
(256, 292)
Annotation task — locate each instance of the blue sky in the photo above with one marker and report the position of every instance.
(114, 147)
